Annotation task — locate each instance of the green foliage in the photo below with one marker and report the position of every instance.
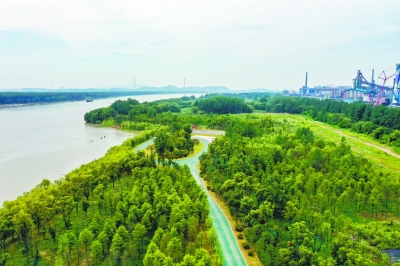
(129, 125)
(379, 122)
(109, 122)
(294, 194)
(174, 142)
(97, 116)
(224, 105)
(45, 97)
(131, 110)
(109, 212)
(195, 109)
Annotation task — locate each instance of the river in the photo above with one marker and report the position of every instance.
(50, 140)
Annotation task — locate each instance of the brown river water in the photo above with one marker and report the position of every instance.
(48, 141)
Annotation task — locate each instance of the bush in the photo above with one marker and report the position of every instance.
(246, 245)
(240, 236)
(239, 227)
(250, 253)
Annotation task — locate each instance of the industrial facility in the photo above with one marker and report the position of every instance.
(376, 93)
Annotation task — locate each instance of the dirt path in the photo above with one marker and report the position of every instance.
(387, 150)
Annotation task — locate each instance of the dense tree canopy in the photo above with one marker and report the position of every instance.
(48, 97)
(174, 142)
(297, 199)
(223, 105)
(131, 110)
(303, 200)
(122, 209)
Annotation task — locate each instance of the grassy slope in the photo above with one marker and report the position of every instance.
(381, 158)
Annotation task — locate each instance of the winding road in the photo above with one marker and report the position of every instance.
(230, 250)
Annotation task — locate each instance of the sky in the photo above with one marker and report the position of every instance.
(238, 44)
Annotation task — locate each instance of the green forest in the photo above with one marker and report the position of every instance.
(123, 209)
(49, 97)
(304, 201)
(380, 122)
(297, 199)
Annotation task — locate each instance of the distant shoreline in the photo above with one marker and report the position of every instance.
(60, 97)
(15, 105)
(140, 93)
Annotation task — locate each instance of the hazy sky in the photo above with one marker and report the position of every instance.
(238, 44)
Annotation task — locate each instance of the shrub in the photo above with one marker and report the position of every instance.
(246, 245)
(239, 227)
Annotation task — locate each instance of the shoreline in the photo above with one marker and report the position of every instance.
(15, 105)
(134, 94)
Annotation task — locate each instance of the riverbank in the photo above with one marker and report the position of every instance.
(46, 141)
(63, 219)
(19, 99)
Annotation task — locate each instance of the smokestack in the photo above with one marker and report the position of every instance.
(397, 78)
(306, 79)
(372, 80)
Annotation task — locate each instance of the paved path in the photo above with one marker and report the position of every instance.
(208, 132)
(230, 250)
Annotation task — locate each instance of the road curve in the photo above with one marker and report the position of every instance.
(230, 250)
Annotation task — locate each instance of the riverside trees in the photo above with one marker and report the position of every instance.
(131, 115)
(301, 200)
(149, 212)
(47, 97)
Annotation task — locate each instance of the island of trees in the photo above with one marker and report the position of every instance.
(123, 209)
